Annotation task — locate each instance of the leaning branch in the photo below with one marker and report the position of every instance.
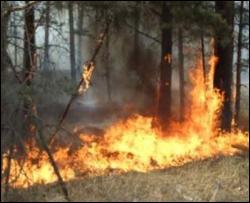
(75, 94)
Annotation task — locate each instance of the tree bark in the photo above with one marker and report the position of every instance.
(164, 103)
(72, 42)
(29, 67)
(136, 35)
(4, 22)
(29, 45)
(46, 38)
(80, 28)
(223, 49)
(203, 56)
(181, 72)
(108, 68)
(238, 70)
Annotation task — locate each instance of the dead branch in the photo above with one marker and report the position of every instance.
(13, 68)
(52, 161)
(19, 8)
(75, 94)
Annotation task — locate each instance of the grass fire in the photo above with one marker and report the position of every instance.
(125, 118)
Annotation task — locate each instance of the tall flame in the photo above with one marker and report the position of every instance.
(134, 145)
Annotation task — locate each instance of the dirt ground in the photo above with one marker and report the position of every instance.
(220, 179)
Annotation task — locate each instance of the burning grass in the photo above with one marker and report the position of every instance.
(135, 145)
(217, 179)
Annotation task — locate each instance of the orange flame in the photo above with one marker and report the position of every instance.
(134, 145)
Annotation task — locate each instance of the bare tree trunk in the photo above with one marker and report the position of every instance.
(46, 38)
(4, 22)
(72, 42)
(80, 28)
(29, 68)
(164, 103)
(223, 49)
(203, 56)
(15, 34)
(181, 72)
(136, 35)
(108, 68)
(238, 70)
(29, 45)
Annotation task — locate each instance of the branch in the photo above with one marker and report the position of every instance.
(14, 69)
(143, 33)
(75, 94)
(19, 8)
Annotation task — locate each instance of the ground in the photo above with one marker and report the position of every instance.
(217, 179)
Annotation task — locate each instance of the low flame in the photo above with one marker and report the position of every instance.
(134, 145)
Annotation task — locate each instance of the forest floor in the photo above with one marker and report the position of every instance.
(221, 179)
(217, 179)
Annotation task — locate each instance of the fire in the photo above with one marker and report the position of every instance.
(87, 72)
(134, 145)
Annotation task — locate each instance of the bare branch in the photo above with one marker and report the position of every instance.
(19, 8)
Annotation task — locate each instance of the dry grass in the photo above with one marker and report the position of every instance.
(221, 179)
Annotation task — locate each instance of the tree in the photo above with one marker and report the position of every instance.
(223, 49)
(80, 33)
(29, 62)
(181, 72)
(72, 42)
(107, 65)
(238, 70)
(46, 37)
(4, 22)
(164, 103)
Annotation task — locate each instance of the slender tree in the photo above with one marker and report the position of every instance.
(29, 62)
(46, 37)
(164, 103)
(80, 33)
(238, 70)
(181, 72)
(223, 49)
(107, 66)
(72, 42)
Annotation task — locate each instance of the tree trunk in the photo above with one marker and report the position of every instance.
(72, 42)
(4, 22)
(46, 38)
(29, 45)
(80, 28)
(203, 56)
(136, 35)
(164, 103)
(108, 68)
(238, 71)
(223, 49)
(29, 68)
(181, 72)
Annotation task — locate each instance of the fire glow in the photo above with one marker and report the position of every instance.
(135, 145)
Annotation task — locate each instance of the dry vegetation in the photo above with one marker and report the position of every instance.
(220, 179)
